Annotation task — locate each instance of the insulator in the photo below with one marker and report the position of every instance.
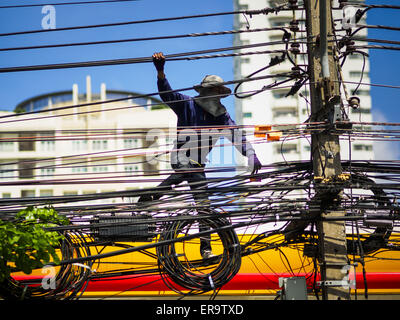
(354, 102)
(296, 71)
(295, 48)
(350, 47)
(294, 26)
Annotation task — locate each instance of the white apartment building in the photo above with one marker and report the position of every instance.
(271, 106)
(84, 149)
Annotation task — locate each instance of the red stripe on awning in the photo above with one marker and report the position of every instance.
(242, 281)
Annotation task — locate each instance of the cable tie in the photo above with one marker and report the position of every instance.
(83, 266)
(211, 282)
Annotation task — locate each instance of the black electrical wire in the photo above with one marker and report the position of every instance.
(290, 178)
(187, 35)
(116, 108)
(207, 15)
(378, 47)
(63, 3)
(185, 273)
(174, 57)
(375, 40)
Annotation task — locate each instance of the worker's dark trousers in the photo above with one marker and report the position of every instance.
(194, 174)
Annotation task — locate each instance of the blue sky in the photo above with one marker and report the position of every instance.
(385, 64)
(16, 87)
(140, 77)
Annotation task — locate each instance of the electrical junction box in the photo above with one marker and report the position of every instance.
(293, 288)
(124, 228)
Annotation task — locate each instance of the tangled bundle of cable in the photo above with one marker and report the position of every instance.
(179, 272)
(64, 282)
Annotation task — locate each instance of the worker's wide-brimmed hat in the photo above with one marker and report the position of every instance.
(210, 81)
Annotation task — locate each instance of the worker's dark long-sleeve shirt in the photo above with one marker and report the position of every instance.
(191, 116)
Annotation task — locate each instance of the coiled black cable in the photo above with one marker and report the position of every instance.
(68, 280)
(179, 272)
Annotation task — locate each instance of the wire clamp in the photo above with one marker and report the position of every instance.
(336, 283)
(211, 282)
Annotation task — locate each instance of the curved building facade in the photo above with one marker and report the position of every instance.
(84, 143)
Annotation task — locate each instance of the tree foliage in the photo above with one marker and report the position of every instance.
(25, 244)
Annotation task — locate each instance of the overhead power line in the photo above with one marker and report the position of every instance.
(176, 56)
(63, 3)
(360, 193)
(115, 24)
(188, 35)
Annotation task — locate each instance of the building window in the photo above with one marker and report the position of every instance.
(355, 56)
(47, 146)
(279, 94)
(100, 169)
(131, 143)
(79, 169)
(360, 92)
(361, 110)
(6, 146)
(131, 168)
(286, 148)
(46, 193)
(27, 141)
(47, 171)
(285, 112)
(46, 141)
(26, 170)
(70, 193)
(247, 114)
(79, 145)
(99, 144)
(362, 147)
(279, 22)
(358, 74)
(7, 171)
(27, 193)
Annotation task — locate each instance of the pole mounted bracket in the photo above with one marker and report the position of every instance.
(336, 283)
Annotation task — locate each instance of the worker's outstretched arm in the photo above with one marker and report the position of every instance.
(176, 101)
(159, 62)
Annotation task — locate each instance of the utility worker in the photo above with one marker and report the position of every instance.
(192, 147)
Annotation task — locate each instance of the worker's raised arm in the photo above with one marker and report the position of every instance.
(159, 62)
(176, 101)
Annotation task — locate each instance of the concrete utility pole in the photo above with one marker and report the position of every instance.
(325, 106)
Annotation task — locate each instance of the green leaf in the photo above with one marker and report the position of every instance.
(25, 241)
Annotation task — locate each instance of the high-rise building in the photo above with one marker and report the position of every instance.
(272, 106)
